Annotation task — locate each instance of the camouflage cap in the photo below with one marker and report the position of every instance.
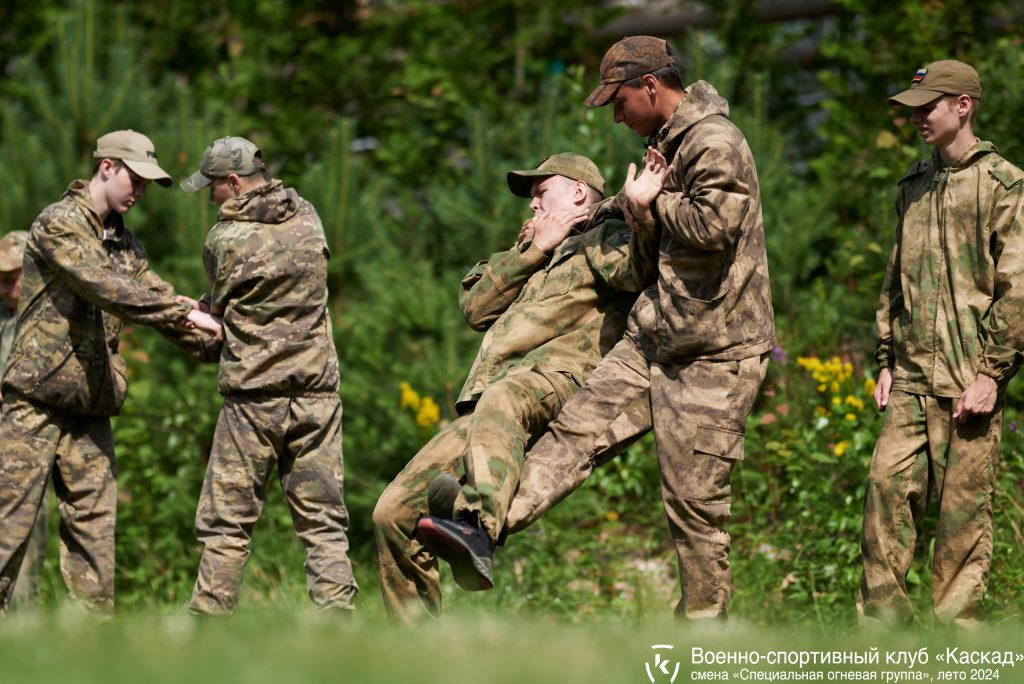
(12, 250)
(222, 157)
(945, 77)
(136, 151)
(572, 166)
(630, 57)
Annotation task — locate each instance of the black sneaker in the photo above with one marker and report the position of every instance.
(465, 546)
(441, 494)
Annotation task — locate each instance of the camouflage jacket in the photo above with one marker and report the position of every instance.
(82, 278)
(266, 260)
(7, 325)
(952, 303)
(712, 299)
(550, 313)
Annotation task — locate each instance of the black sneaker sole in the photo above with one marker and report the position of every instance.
(465, 571)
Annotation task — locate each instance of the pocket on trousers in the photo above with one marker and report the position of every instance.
(715, 452)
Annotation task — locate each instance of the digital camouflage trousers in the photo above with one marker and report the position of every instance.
(923, 452)
(483, 449)
(302, 436)
(698, 412)
(79, 452)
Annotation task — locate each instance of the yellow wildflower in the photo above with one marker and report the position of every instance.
(611, 516)
(869, 386)
(410, 398)
(429, 413)
(840, 449)
(854, 402)
(821, 410)
(836, 401)
(850, 417)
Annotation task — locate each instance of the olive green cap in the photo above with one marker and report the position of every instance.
(136, 151)
(12, 250)
(945, 77)
(572, 166)
(222, 157)
(630, 57)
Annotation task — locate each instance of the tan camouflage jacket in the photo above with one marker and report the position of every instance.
(266, 260)
(550, 313)
(80, 281)
(7, 325)
(712, 299)
(952, 302)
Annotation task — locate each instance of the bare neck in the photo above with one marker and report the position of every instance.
(955, 148)
(99, 199)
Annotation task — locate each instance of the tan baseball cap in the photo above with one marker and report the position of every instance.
(12, 250)
(573, 166)
(630, 57)
(222, 157)
(137, 153)
(945, 77)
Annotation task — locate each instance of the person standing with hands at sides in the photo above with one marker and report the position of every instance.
(696, 347)
(266, 260)
(950, 336)
(84, 275)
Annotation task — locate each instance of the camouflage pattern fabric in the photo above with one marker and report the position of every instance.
(266, 260)
(698, 411)
(8, 323)
(950, 309)
(79, 450)
(80, 282)
(26, 588)
(548, 322)
(490, 440)
(951, 306)
(302, 435)
(923, 452)
(712, 298)
(267, 263)
(541, 313)
(693, 358)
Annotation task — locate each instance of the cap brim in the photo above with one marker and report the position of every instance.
(521, 182)
(915, 97)
(149, 171)
(602, 94)
(196, 182)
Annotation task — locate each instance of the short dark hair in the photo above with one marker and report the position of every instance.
(118, 165)
(668, 76)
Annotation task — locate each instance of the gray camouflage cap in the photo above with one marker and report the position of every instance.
(136, 151)
(630, 57)
(12, 250)
(222, 157)
(573, 166)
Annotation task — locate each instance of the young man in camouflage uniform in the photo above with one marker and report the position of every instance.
(551, 306)
(266, 259)
(950, 336)
(12, 252)
(695, 352)
(84, 276)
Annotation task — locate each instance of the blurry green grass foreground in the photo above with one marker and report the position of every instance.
(304, 646)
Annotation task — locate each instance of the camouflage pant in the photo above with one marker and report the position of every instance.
(79, 450)
(489, 443)
(26, 587)
(698, 411)
(922, 450)
(303, 436)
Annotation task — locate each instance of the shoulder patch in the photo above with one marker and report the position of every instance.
(916, 170)
(1006, 177)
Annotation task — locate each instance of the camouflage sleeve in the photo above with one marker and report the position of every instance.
(644, 246)
(491, 286)
(709, 213)
(611, 257)
(193, 342)
(211, 264)
(1004, 336)
(890, 303)
(85, 268)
